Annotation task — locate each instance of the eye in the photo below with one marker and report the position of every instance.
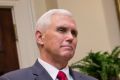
(74, 33)
(62, 29)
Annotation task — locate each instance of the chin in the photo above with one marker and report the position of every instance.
(68, 55)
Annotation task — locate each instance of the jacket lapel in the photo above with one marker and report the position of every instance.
(76, 75)
(79, 76)
(39, 72)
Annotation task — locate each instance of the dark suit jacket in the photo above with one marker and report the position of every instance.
(37, 72)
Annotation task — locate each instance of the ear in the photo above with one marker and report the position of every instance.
(38, 36)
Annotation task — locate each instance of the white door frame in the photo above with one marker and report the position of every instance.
(24, 26)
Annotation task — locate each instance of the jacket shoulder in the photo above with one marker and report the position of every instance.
(81, 76)
(22, 74)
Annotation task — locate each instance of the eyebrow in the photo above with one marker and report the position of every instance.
(65, 26)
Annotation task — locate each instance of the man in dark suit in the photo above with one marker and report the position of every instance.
(56, 37)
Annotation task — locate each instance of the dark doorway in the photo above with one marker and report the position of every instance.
(8, 50)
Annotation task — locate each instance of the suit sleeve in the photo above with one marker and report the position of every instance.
(3, 78)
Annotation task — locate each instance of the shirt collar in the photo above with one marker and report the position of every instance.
(66, 71)
(49, 68)
(53, 71)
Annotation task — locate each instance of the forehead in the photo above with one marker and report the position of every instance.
(63, 20)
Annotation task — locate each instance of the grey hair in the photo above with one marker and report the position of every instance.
(45, 19)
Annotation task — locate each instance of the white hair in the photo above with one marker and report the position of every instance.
(45, 19)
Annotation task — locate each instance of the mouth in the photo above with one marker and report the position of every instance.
(67, 47)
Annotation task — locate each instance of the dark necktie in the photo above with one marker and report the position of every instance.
(61, 76)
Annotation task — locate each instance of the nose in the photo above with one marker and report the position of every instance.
(69, 37)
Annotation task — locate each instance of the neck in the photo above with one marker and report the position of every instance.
(56, 63)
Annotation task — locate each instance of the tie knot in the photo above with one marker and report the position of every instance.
(61, 76)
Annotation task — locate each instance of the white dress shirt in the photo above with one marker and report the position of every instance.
(53, 71)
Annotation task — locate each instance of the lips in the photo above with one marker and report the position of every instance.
(67, 47)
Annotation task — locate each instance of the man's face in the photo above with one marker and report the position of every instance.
(60, 38)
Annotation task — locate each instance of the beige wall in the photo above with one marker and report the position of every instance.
(96, 20)
(95, 29)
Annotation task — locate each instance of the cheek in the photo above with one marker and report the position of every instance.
(53, 40)
(75, 43)
(57, 41)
